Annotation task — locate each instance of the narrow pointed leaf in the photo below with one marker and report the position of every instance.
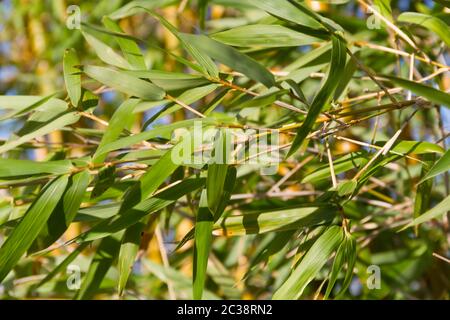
(422, 90)
(105, 52)
(338, 58)
(231, 57)
(45, 128)
(441, 166)
(435, 212)
(125, 83)
(31, 224)
(129, 48)
(72, 77)
(433, 24)
(104, 257)
(264, 36)
(310, 265)
(118, 122)
(285, 10)
(13, 168)
(203, 238)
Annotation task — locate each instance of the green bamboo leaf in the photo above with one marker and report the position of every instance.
(104, 180)
(14, 168)
(129, 48)
(133, 7)
(228, 187)
(422, 199)
(432, 94)
(338, 58)
(148, 184)
(150, 181)
(384, 7)
(170, 81)
(125, 83)
(105, 52)
(203, 239)
(64, 213)
(264, 36)
(285, 10)
(346, 187)
(135, 214)
(411, 146)
(41, 129)
(349, 70)
(215, 183)
(202, 10)
(231, 57)
(43, 104)
(433, 213)
(19, 104)
(188, 97)
(118, 122)
(217, 171)
(181, 283)
(31, 224)
(273, 243)
(262, 222)
(62, 267)
(342, 164)
(310, 265)
(433, 24)
(104, 257)
(72, 77)
(129, 248)
(155, 132)
(338, 265)
(441, 166)
(207, 65)
(350, 256)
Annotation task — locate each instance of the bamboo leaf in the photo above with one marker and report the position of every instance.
(310, 265)
(105, 179)
(285, 10)
(338, 58)
(135, 214)
(72, 77)
(433, 24)
(441, 166)
(129, 48)
(279, 220)
(63, 265)
(431, 94)
(206, 64)
(346, 187)
(231, 57)
(350, 256)
(43, 129)
(129, 248)
(31, 224)
(125, 83)
(105, 52)
(104, 257)
(435, 212)
(170, 81)
(135, 6)
(338, 264)
(64, 213)
(264, 36)
(202, 246)
(116, 125)
(14, 168)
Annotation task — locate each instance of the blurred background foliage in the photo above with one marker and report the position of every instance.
(33, 40)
